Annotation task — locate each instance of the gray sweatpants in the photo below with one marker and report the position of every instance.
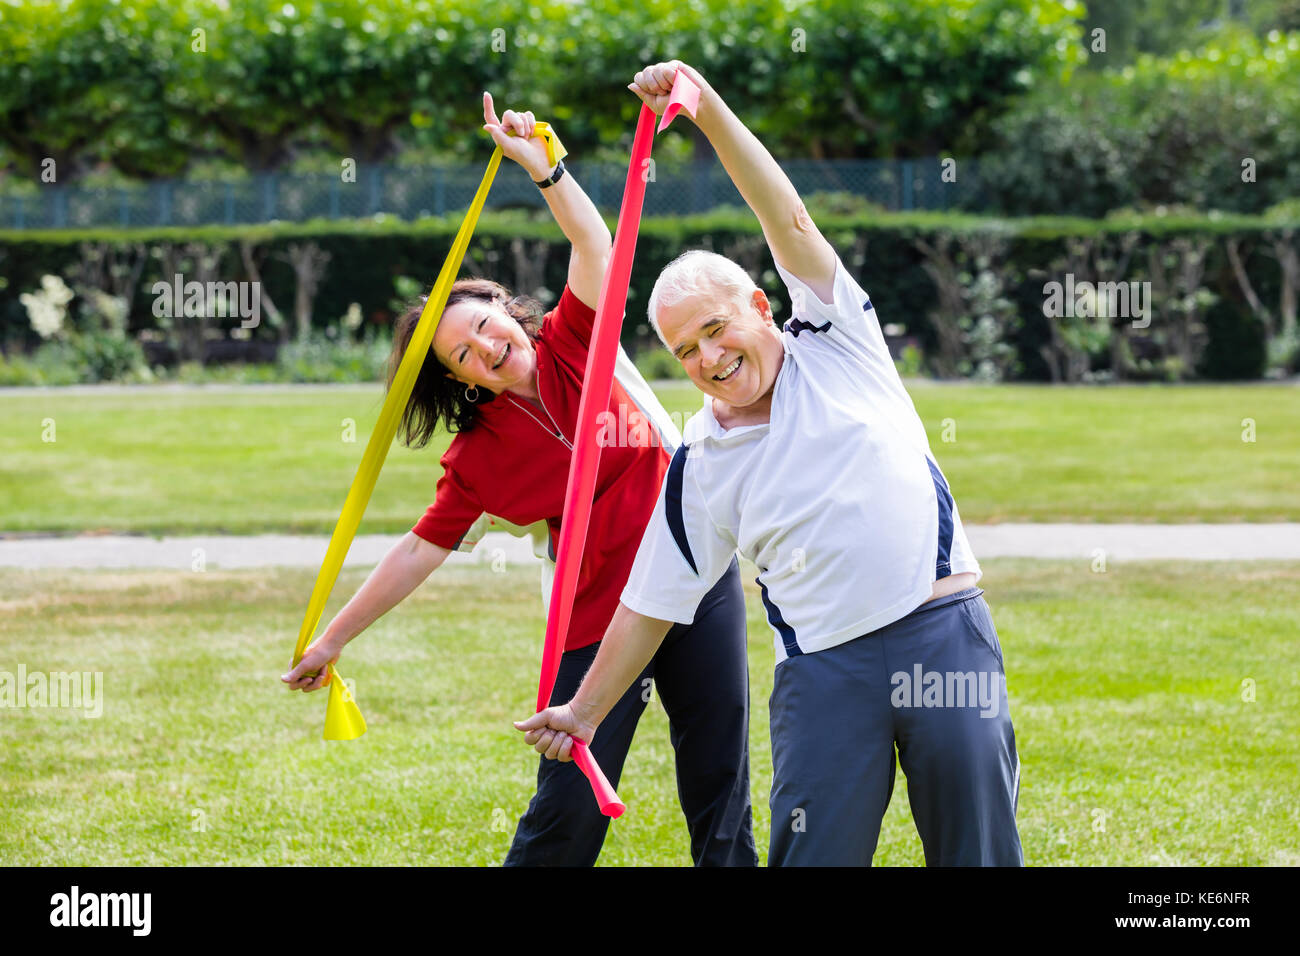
(931, 684)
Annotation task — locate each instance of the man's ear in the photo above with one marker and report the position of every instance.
(759, 301)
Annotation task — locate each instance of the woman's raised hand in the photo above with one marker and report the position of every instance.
(524, 148)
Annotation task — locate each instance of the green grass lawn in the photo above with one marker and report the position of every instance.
(1137, 746)
(173, 461)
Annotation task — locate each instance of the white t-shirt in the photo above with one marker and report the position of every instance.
(837, 499)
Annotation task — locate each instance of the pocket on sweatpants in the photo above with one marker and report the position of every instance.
(979, 619)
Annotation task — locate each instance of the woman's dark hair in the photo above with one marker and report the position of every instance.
(435, 397)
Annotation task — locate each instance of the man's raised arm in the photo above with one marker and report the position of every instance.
(791, 234)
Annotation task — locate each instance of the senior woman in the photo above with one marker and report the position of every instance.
(508, 380)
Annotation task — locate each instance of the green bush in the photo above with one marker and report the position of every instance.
(54, 363)
(1217, 128)
(19, 370)
(320, 358)
(1237, 346)
(81, 358)
(886, 78)
(909, 365)
(105, 357)
(820, 205)
(656, 362)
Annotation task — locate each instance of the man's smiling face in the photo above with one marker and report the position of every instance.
(730, 349)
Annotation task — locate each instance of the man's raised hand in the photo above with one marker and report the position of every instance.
(654, 84)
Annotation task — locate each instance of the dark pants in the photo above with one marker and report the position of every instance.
(931, 685)
(701, 675)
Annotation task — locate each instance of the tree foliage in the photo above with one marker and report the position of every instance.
(148, 87)
(1215, 128)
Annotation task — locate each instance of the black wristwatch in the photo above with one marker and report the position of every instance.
(551, 179)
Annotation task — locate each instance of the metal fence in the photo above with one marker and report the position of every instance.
(412, 193)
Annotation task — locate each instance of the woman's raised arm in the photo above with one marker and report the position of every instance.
(573, 210)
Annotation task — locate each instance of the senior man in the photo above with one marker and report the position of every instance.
(809, 459)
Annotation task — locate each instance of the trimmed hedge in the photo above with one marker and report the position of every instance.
(883, 251)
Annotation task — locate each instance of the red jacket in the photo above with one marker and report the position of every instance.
(511, 465)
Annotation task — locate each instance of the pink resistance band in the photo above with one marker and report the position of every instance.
(597, 386)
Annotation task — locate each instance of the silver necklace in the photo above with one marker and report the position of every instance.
(558, 434)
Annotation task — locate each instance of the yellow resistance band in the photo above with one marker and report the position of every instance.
(343, 720)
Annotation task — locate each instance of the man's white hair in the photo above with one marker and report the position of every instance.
(697, 272)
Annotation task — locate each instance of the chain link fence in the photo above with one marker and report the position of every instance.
(412, 193)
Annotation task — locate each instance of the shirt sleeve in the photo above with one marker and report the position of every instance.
(683, 552)
(848, 319)
(574, 316)
(848, 328)
(455, 509)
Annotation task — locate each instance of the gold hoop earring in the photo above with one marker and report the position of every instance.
(468, 396)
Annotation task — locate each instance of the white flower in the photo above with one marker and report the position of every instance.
(46, 308)
(45, 317)
(112, 307)
(352, 319)
(55, 290)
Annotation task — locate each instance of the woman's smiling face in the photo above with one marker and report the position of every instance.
(482, 345)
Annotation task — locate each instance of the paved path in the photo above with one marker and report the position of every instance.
(1121, 542)
(1137, 542)
(227, 551)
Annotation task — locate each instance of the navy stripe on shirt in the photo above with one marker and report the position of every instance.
(792, 648)
(673, 504)
(799, 325)
(943, 566)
